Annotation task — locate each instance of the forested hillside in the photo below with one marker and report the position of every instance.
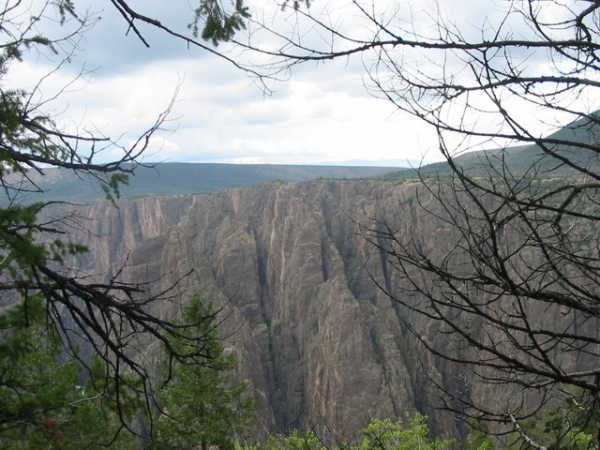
(181, 178)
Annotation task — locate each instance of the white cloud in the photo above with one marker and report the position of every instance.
(323, 113)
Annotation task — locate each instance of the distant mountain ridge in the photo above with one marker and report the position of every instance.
(187, 178)
(522, 158)
(166, 178)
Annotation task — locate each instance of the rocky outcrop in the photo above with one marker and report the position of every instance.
(317, 342)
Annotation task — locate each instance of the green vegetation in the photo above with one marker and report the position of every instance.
(44, 404)
(199, 406)
(68, 373)
(411, 434)
(388, 435)
(42, 401)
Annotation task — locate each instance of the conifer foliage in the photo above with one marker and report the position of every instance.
(68, 375)
(200, 407)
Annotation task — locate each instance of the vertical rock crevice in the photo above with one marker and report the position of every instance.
(316, 341)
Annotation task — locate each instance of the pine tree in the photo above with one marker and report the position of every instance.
(200, 407)
(43, 401)
(47, 307)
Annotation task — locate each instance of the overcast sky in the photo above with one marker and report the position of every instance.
(323, 114)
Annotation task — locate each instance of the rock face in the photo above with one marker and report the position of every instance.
(317, 342)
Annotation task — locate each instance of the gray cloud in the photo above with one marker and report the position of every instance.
(323, 114)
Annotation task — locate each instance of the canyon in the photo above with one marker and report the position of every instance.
(319, 346)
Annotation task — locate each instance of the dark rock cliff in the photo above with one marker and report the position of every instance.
(318, 344)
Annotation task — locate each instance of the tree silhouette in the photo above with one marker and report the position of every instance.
(512, 283)
(107, 316)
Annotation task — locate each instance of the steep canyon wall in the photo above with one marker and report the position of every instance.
(318, 344)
